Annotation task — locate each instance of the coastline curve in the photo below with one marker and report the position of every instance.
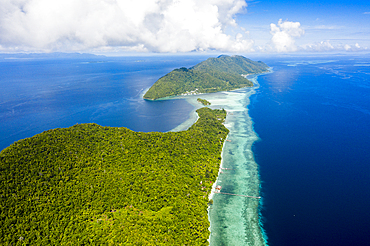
(235, 220)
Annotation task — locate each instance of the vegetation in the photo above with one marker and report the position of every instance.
(89, 184)
(203, 101)
(215, 74)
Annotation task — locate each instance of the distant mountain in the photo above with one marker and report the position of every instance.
(223, 73)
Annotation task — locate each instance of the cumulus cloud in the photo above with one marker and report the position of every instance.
(284, 35)
(325, 46)
(320, 46)
(141, 25)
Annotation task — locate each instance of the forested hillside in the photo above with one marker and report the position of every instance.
(89, 184)
(215, 74)
(232, 64)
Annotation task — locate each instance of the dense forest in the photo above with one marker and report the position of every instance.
(90, 184)
(223, 73)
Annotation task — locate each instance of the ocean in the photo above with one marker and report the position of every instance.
(300, 138)
(44, 92)
(312, 116)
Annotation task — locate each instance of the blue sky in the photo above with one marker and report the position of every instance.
(181, 26)
(339, 22)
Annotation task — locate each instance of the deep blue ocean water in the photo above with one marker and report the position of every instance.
(311, 114)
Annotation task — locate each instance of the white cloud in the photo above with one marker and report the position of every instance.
(366, 13)
(324, 27)
(347, 47)
(284, 35)
(145, 25)
(325, 46)
(320, 46)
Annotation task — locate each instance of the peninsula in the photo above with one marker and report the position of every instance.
(89, 184)
(223, 73)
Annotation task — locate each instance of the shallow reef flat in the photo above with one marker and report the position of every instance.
(236, 220)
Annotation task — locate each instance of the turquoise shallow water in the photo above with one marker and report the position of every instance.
(234, 219)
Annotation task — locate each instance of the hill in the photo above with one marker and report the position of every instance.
(89, 184)
(223, 73)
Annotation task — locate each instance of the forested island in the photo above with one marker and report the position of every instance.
(203, 101)
(223, 73)
(90, 184)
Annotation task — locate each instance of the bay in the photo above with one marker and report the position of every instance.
(39, 93)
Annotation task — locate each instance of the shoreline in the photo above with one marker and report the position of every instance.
(235, 108)
(210, 196)
(235, 219)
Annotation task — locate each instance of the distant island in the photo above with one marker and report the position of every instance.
(94, 185)
(223, 73)
(203, 101)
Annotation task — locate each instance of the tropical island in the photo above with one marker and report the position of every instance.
(204, 102)
(89, 184)
(223, 73)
